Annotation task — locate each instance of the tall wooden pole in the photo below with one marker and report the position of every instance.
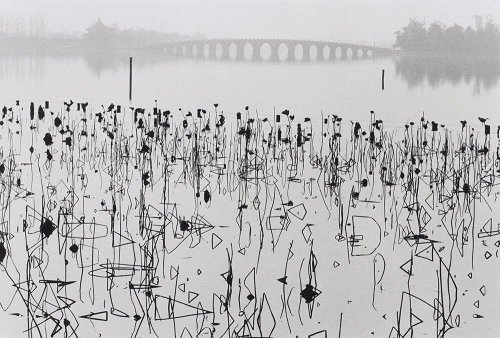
(383, 79)
(130, 81)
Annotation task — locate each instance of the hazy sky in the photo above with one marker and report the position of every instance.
(338, 20)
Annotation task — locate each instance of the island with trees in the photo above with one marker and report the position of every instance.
(438, 54)
(437, 38)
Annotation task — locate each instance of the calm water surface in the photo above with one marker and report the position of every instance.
(445, 90)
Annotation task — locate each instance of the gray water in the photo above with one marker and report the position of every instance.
(444, 89)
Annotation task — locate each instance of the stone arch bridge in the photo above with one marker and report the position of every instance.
(270, 50)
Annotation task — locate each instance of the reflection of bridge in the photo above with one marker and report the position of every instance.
(270, 49)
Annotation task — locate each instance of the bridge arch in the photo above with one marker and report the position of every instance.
(326, 52)
(313, 52)
(218, 50)
(232, 51)
(298, 52)
(338, 52)
(248, 51)
(359, 53)
(265, 51)
(194, 50)
(349, 53)
(206, 50)
(283, 51)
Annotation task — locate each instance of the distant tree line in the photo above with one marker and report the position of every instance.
(484, 39)
(21, 26)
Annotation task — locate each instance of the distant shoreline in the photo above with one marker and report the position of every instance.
(425, 54)
(65, 46)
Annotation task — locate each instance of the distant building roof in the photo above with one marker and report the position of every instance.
(99, 29)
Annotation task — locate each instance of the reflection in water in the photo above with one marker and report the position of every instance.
(481, 73)
(31, 63)
(341, 86)
(22, 66)
(437, 70)
(99, 63)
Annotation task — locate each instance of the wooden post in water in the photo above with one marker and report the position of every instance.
(383, 75)
(130, 82)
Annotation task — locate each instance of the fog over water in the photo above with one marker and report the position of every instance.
(339, 20)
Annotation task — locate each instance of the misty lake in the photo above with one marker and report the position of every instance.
(443, 88)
